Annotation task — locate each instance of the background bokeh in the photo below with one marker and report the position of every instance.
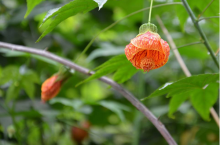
(114, 121)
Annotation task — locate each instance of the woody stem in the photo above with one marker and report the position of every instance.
(151, 4)
(132, 99)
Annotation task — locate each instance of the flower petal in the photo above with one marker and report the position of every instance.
(131, 50)
(148, 41)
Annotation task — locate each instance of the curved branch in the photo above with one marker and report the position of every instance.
(135, 102)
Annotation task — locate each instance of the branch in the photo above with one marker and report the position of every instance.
(205, 9)
(135, 102)
(203, 36)
(173, 46)
(208, 18)
(181, 62)
(189, 44)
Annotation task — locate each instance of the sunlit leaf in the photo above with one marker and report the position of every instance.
(120, 64)
(68, 10)
(30, 5)
(198, 88)
(124, 73)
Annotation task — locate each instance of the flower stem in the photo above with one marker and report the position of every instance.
(116, 22)
(151, 4)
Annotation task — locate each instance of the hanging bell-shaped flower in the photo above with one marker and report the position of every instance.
(147, 50)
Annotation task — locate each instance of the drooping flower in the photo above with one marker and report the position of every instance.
(80, 134)
(51, 87)
(147, 50)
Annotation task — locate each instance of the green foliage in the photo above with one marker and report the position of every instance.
(182, 15)
(12, 92)
(66, 11)
(106, 49)
(30, 6)
(115, 107)
(201, 89)
(18, 79)
(79, 106)
(120, 64)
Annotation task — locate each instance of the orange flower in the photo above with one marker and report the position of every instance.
(80, 134)
(50, 88)
(147, 51)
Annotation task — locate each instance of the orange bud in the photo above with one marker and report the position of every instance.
(50, 88)
(80, 134)
(147, 51)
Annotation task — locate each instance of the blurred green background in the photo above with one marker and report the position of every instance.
(114, 121)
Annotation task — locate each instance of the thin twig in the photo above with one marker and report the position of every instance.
(189, 44)
(207, 18)
(181, 62)
(217, 52)
(173, 46)
(113, 24)
(202, 34)
(205, 9)
(215, 116)
(161, 128)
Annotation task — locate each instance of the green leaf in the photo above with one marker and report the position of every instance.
(28, 87)
(212, 10)
(8, 73)
(118, 63)
(31, 76)
(115, 107)
(199, 88)
(106, 49)
(117, 60)
(186, 84)
(100, 3)
(12, 92)
(182, 15)
(203, 100)
(124, 73)
(30, 5)
(75, 104)
(68, 10)
(175, 103)
(30, 113)
(194, 52)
